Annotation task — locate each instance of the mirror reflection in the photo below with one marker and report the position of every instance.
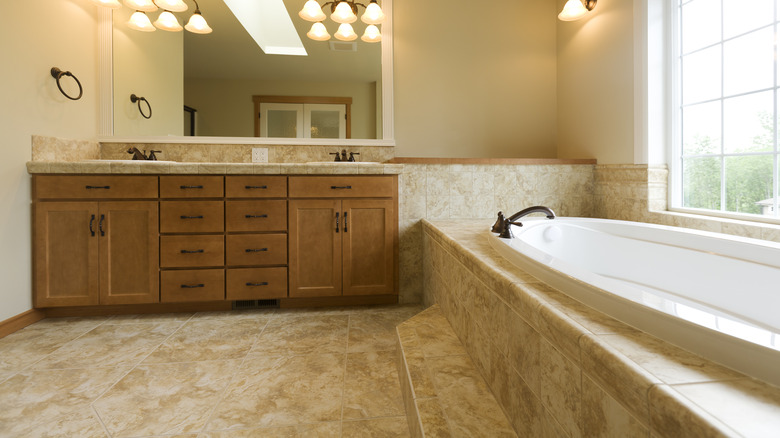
(208, 84)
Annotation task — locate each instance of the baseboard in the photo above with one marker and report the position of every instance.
(20, 321)
(124, 309)
(338, 301)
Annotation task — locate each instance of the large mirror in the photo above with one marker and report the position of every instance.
(214, 79)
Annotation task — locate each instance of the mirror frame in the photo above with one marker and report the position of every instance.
(106, 98)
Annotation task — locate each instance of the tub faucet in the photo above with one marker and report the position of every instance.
(502, 225)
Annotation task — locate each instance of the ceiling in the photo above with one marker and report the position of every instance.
(230, 53)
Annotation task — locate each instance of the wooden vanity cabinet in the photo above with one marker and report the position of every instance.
(343, 245)
(95, 252)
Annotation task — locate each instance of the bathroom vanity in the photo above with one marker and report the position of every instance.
(304, 235)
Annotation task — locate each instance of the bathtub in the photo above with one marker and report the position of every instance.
(712, 294)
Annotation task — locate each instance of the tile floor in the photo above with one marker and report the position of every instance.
(269, 373)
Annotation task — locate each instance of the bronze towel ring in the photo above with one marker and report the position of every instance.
(57, 74)
(137, 100)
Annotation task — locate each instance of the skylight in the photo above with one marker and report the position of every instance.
(269, 24)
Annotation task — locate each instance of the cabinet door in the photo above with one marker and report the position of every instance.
(129, 253)
(368, 229)
(66, 254)
(315, 248)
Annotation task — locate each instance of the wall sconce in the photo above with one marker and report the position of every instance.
(343, 12)
(576, 9)
(166, 21)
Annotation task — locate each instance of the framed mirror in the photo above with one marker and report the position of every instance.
(214, 77)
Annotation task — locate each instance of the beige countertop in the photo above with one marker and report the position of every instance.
(177, 168)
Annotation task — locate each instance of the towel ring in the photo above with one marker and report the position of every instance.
(57, 74)
(137, 100)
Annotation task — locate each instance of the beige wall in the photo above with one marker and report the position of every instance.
(596, 84)
(475, 80)
(225, 107)
(151, 65)
(36, 36)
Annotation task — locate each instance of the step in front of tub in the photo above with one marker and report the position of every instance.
(444, 394)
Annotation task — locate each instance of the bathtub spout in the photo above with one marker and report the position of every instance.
(502, 226)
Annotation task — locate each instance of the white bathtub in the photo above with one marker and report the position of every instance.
(712, 294)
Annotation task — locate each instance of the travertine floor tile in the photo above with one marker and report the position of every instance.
(150, 317)
(302, 334)
(164, 398)
(285, 390)
(391, 427)
(323, 430)
(375, 331)
(29, 345)
(371, 386)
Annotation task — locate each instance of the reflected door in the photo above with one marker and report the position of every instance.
(302, 116)
(325, 121)
(283, 120)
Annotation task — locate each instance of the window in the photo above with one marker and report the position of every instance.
(726, 157)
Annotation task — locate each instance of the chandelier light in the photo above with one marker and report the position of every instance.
(576, 9)
(343, 12)
(166, 20)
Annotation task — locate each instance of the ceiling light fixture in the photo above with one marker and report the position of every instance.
(165, 21)
(343, 12)
(576, 9)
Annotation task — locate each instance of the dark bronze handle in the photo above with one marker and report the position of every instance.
(264, 283)
(92, 221)
(193, 251)
(340, 187)
(192, 286)
(253, 216)
(190, 187)
(255, 187)
(192, 217)
(256, 249)
(345, 221)
(337, 221)
(100, 225)
(98, 187)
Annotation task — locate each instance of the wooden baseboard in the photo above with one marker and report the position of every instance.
(20, 321)
(124, 309)
(338, 301)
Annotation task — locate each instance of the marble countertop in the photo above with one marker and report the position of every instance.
(177, 168)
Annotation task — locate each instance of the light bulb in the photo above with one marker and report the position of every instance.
(167, 21)
(312, 11)
(371, 35)
(345, 33)
(171, 5)
(141, 5)
(343, 13)
(318, 32)
(572, 10)
(140, 21)
(113, 4)
(373, 14)
(197, 24)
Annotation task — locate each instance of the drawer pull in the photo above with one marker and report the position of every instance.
(337, 221)
(192, 286)
(340, 187)
(253, 216)
(255, 187)
(264, 283)
(91, 221)
(192, 217)
(100, 224)
(256, 249)
(191, 251)
(345, 221)
(98, 187)
(190, 187)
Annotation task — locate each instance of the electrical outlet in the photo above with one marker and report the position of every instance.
(259, 155)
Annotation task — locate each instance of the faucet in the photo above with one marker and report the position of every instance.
(138, 155)
(502, 225)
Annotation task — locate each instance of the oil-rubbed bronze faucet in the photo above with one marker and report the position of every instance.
(502, 225)
(138, 155)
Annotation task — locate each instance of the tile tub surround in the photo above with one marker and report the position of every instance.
(444, 395)
(207, 374)
(559, 368)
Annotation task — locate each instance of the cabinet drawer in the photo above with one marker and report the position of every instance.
(255, 186)
(256, 249)
(95, 187)
(192, 216)
(192, 285)
(256, 283)
(341, 186)
(191, 251)
(256, 215)
(191, 186)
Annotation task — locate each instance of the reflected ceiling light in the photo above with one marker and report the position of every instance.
(166, 21)
(140, 21)
(576, 9)
(344, 12)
